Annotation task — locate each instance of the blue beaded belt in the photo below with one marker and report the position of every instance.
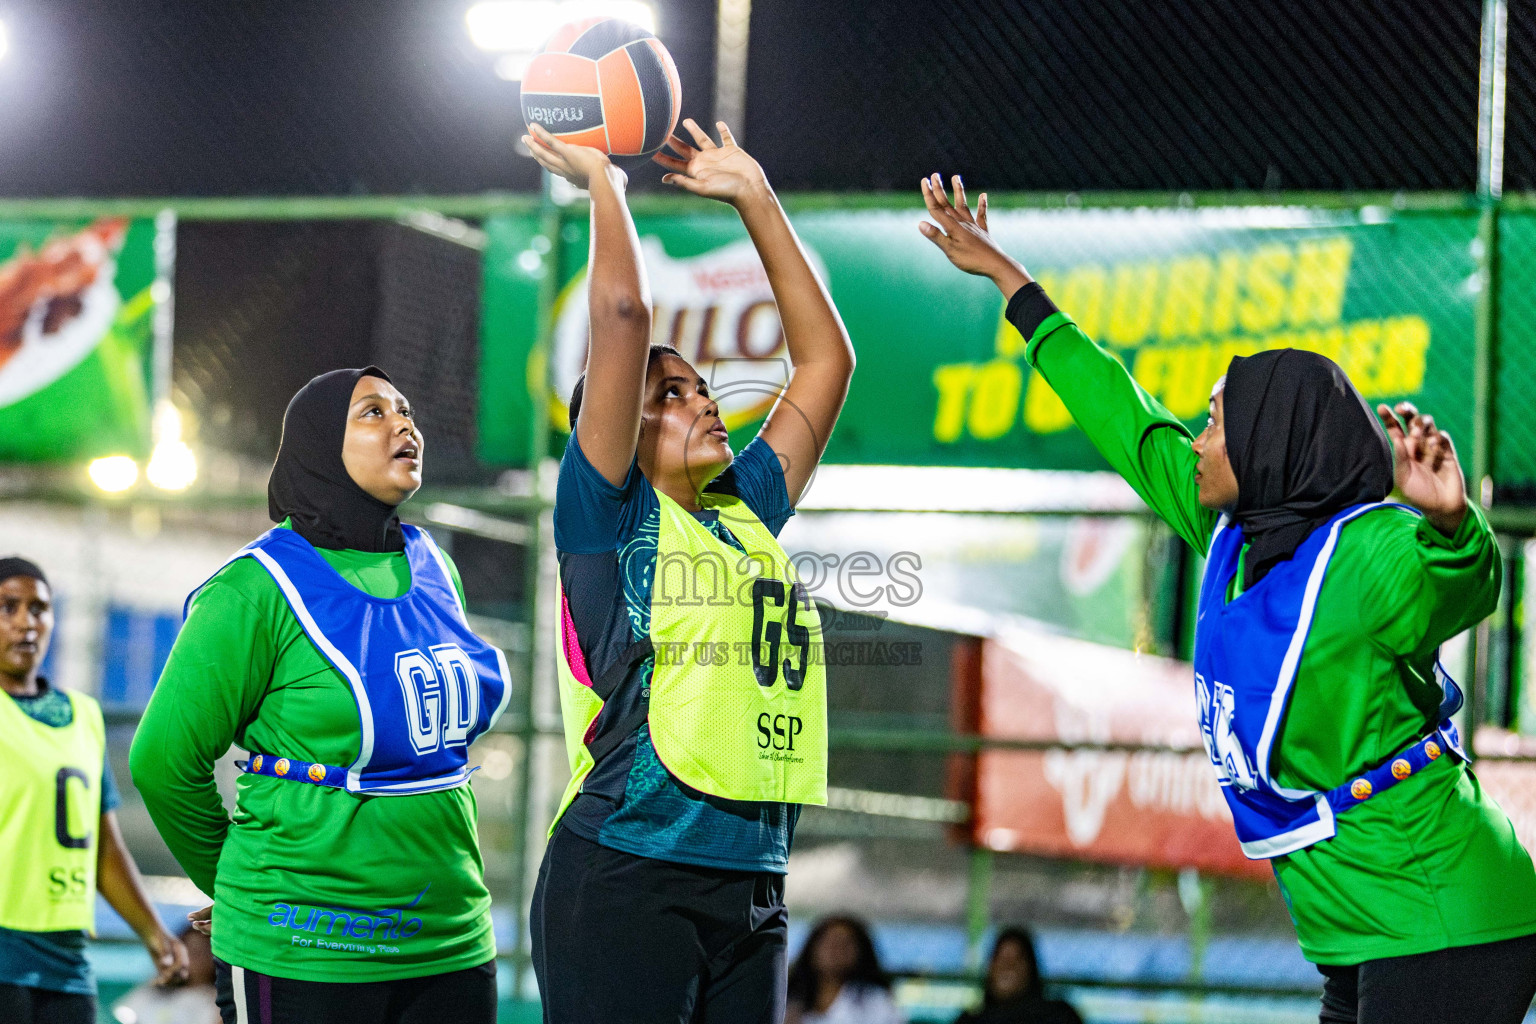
(299, 771)
(1405, 765)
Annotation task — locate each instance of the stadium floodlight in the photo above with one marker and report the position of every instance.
(172, 466)
(114, 473)
(515, 29)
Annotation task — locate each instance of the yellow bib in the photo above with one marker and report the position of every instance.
(738, 704)
(50, 810)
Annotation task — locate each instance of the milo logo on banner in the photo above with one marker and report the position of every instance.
(715, 308)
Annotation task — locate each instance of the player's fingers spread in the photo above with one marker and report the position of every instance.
(931, 200)
(671, 163)
(933, 234)
(700, 136)
(681, 145)
(1435, 452)
(1407, 410)
(1391, 422)
(936, 188)
(726, 138)
(962, 208)
(981, 211)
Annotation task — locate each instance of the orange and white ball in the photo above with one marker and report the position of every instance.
(604, 83)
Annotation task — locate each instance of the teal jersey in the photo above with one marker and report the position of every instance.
(606, 537)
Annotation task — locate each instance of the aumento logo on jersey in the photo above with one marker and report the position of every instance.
(715, 308)
(335, 921)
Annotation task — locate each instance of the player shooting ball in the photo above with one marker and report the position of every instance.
(661, 895)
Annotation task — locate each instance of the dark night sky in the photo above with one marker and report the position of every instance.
(231, 97)
(322, 97)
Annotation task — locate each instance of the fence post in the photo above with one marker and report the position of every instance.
(1490, 187)
(978, 899)
(552, 226)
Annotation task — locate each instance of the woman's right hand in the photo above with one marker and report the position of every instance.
(576, 164)
(964, 238)
(202, 920)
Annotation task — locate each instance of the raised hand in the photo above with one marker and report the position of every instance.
(964, 238)
(576, 164)
(1427, 472)
(724, 172)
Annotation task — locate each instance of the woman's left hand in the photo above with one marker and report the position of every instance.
(169, 956)
(724, 172)
(202, 920)
(1425, 466)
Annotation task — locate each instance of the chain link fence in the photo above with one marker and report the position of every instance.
(1069, 96)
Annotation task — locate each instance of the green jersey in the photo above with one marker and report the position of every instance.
(309, 882)
(1429, 864)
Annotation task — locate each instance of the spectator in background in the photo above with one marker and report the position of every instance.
(837, 978)
(1014, 993)
(59, 841)
(194, 1003)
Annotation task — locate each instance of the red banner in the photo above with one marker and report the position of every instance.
(1160, 808)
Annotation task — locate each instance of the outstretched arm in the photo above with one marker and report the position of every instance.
(820, 353)
(1140, 439)
(608, 425)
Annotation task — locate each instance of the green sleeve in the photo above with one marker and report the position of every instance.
(216, 675)
(1422, 587)
(1142, 441)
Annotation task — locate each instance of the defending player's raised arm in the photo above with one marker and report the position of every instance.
(608, 426)
(964, 238)
(1142, 441)
(819, 350)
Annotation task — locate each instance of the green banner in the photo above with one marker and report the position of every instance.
(1514, 426)
(76, 338)
(941, 378)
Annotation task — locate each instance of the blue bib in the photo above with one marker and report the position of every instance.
(425, 685)
(1246, 654)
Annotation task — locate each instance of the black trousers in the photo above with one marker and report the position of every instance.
(1492, 983)
(463, 997)
(619, 938)
(21, 1004)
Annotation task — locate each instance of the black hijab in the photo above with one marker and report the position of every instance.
(1304, 446)
(14, 565)
(310, 484)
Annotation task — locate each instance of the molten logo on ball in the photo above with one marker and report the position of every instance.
(547, 116)
(1360, 789)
